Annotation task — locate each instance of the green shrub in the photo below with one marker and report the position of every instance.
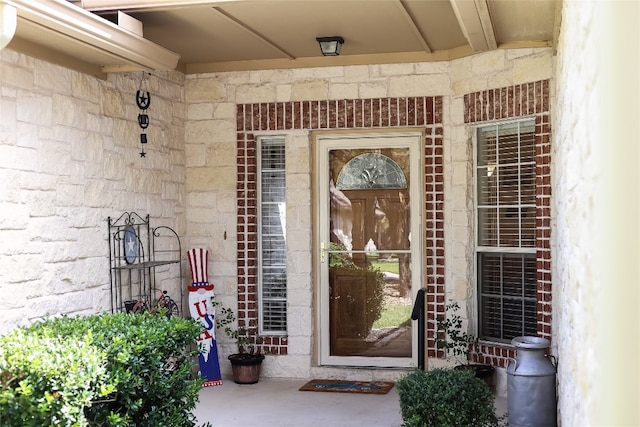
(446, 398)
(146, 380)
(48, 381)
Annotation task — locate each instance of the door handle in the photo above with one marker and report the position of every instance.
(322, 252)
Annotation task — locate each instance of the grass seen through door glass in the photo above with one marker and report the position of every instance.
(391, 267)
(393, 315)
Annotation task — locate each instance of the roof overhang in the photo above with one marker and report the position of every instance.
(103, 43)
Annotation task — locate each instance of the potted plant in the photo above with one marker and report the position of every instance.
(446, 397)
(457, 342)
(247, 362)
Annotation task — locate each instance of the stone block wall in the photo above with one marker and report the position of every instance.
(69, 150)
(211, 103)
(69, 158)
(597, 205)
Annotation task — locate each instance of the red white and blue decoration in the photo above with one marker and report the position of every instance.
(201, 308)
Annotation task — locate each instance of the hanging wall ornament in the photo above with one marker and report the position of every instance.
(143, 100)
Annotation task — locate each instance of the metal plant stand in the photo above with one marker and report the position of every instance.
(144, 261)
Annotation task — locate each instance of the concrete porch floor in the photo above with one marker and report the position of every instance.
(275, 402)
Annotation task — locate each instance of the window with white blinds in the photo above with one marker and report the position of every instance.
(272, 256)
(506, 230)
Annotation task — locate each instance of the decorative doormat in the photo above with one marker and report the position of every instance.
(345, 386)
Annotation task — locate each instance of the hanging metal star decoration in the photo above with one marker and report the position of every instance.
(143, 100)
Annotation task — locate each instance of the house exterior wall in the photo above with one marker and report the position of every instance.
(215, 142)
(424, 113)
(69, 158)
(505, 103)
(596, 202)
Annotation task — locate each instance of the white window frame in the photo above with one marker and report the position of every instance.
(325, 142)
(480, 249)
(263, 301)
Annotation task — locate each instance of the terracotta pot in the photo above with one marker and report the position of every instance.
(246, 367)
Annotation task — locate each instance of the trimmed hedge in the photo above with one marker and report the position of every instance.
(446, 398)
(103, 370)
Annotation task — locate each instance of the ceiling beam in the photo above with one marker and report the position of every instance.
(328, 61)
(487, 24)
(475, 21)
(412, 23)
(140, 5)
(253, 32)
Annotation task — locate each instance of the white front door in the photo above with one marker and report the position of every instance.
(368, 211)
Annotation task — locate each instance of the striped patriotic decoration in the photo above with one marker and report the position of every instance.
(202, 309)
(199, 263)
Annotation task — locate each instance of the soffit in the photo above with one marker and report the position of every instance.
(234, 35)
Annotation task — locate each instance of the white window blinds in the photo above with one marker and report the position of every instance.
(506, 230)
(272, 237)
(506, 194)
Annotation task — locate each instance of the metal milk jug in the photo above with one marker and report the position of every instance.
(531, 384)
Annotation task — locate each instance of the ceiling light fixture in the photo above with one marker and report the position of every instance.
(330, 46)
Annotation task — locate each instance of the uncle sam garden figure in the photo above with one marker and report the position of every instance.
(201, 308)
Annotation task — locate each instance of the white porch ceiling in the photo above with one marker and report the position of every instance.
(228, 35)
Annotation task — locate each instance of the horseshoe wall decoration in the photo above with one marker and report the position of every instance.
(143, 100)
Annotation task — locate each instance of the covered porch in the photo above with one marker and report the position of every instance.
(277, 402)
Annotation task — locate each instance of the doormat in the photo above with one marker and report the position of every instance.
(345, 386)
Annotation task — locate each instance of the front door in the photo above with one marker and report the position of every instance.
(368, 211)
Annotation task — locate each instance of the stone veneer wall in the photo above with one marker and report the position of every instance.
(216, 138)
(69, 158)
(69, 153)
(596, 201)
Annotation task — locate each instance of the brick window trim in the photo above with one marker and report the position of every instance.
(523, 100)
(376, 113)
